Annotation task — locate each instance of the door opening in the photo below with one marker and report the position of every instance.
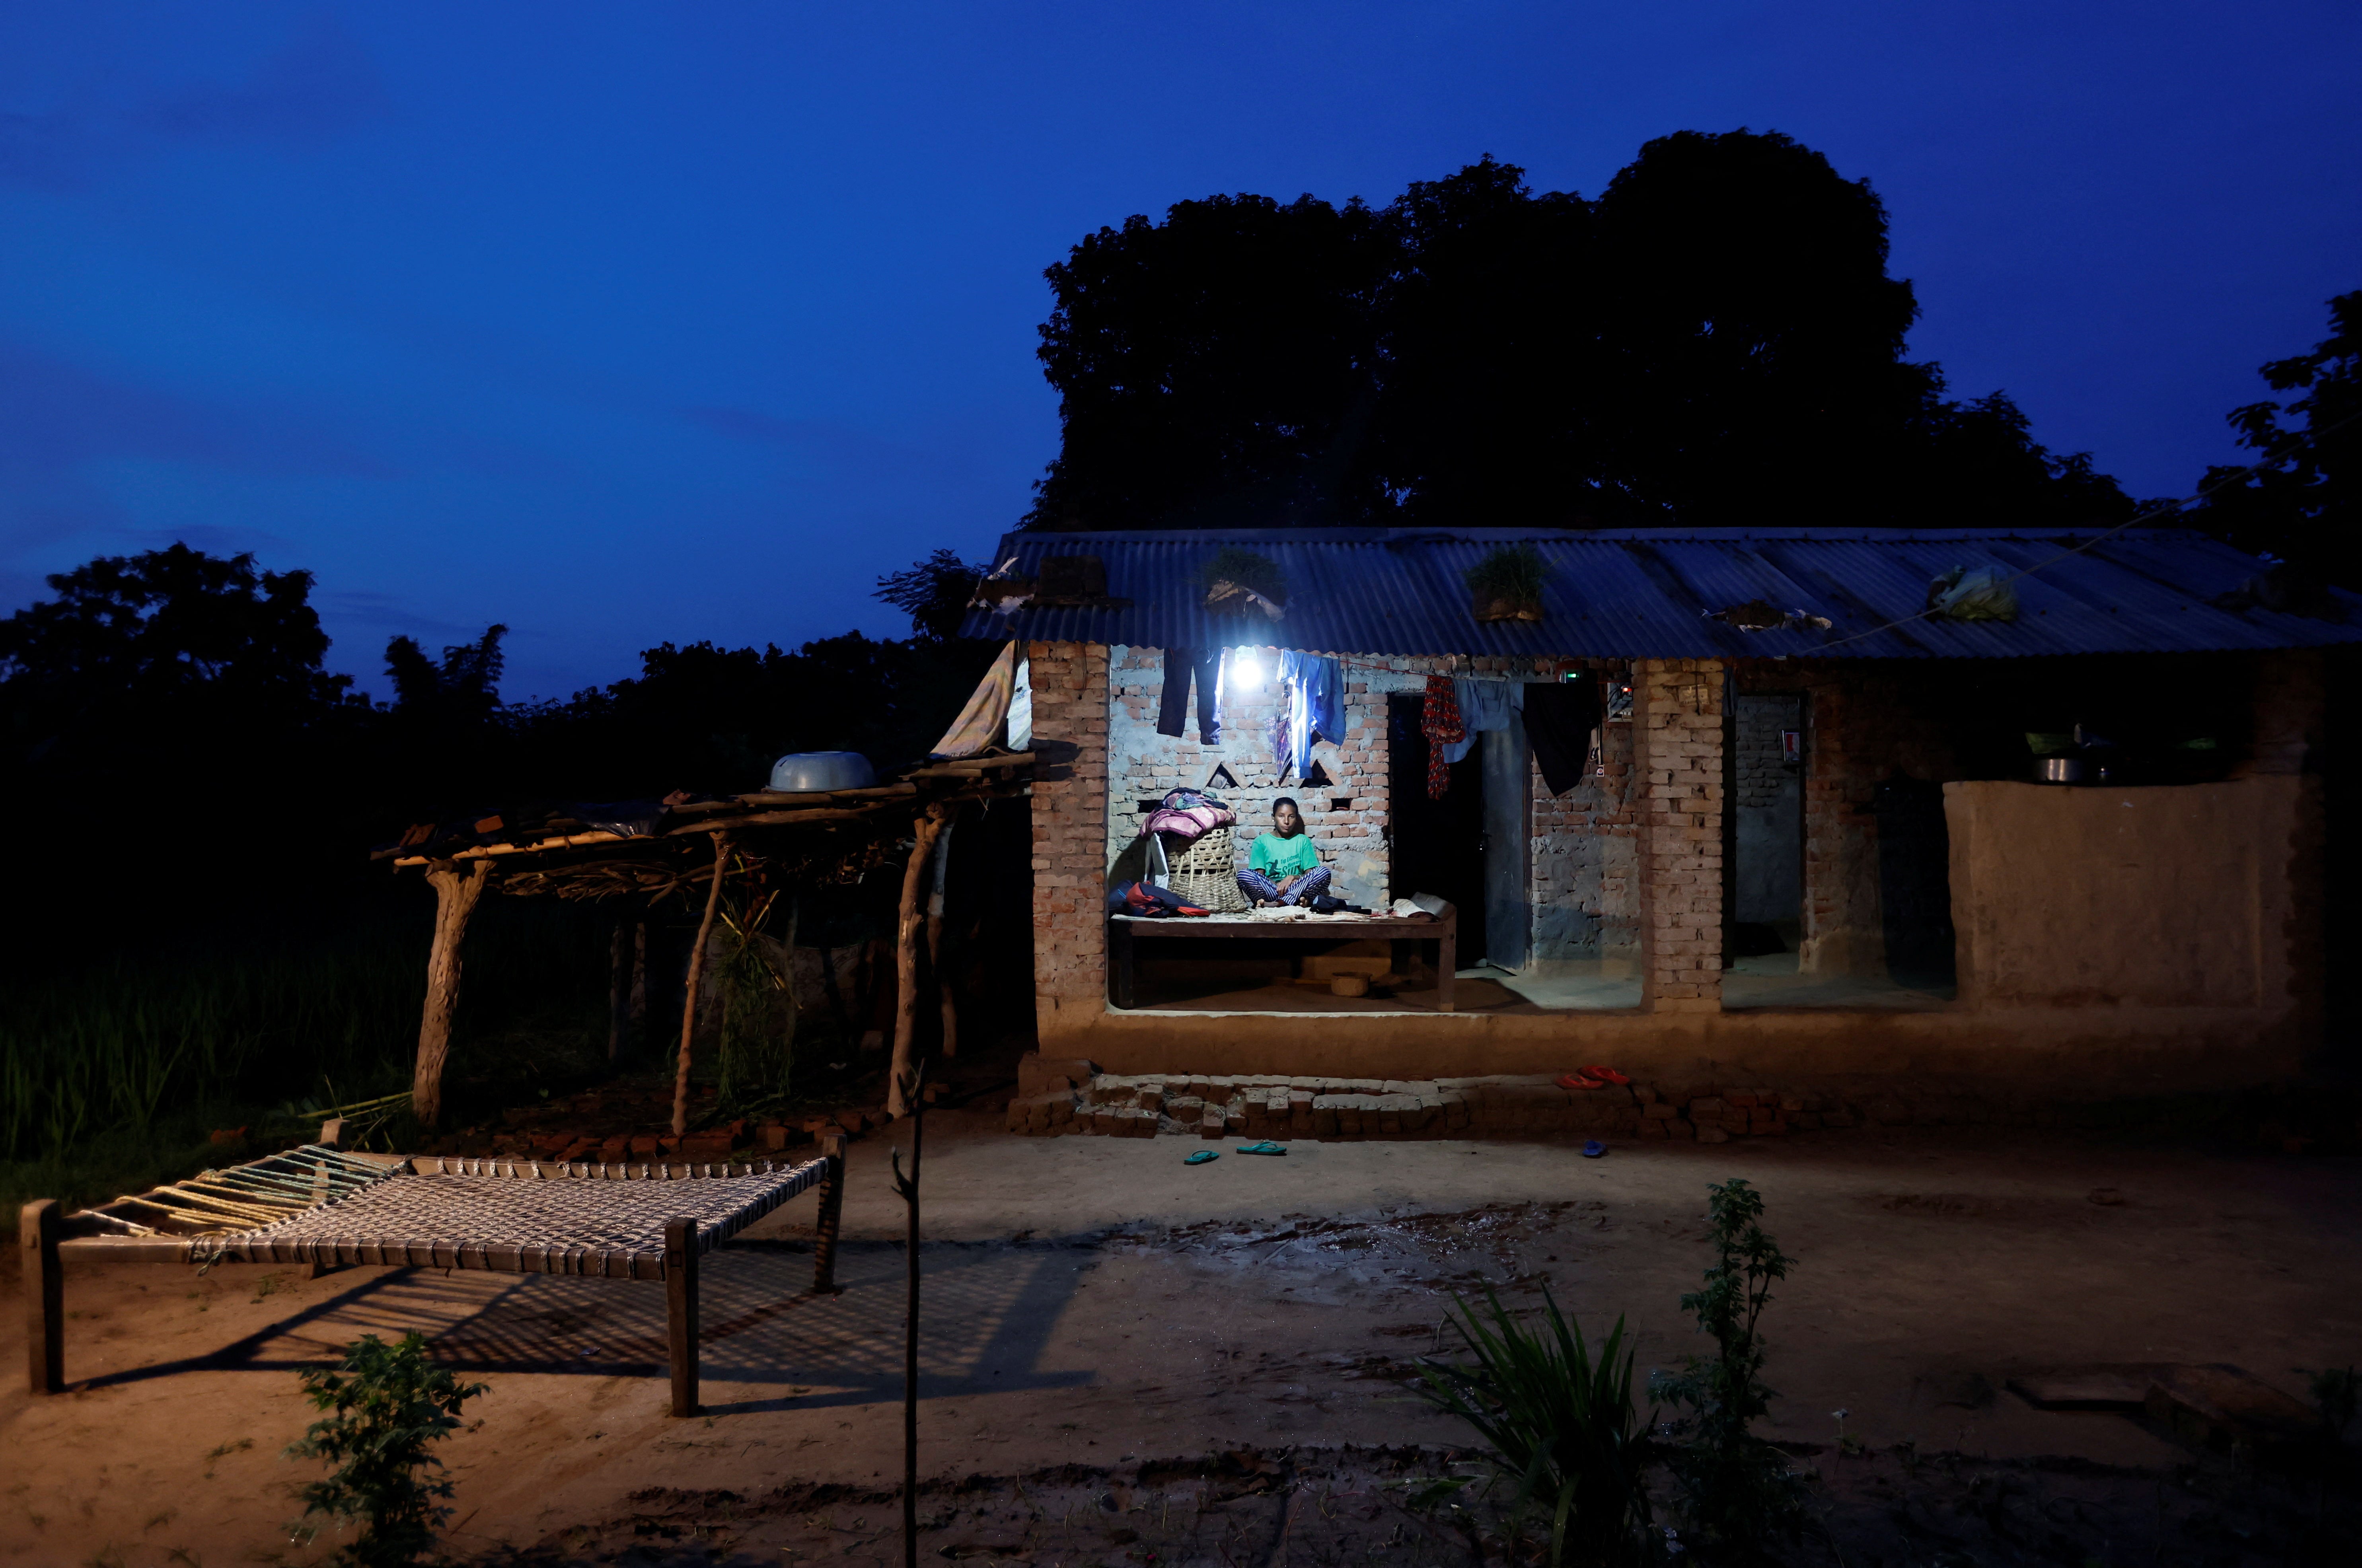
(1768, 811)
(1435, 847)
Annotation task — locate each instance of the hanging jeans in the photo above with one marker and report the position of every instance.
(1173, 709)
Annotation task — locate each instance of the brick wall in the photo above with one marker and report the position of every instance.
(1677, 717)
(1584, 861)
(1070, 738)
(1142, 765)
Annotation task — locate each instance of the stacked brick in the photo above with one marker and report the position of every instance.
(1677, 714)
(1070, 730)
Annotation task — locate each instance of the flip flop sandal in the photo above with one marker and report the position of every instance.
(1577, 1081)
(1605, 1075)
(1265, 1147)
(1593, 1148)
(1201, 1156)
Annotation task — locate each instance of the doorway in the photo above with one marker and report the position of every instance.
(1768, 816)
(1466, 846)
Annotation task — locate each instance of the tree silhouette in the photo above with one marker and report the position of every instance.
(2304, 505)
(1715, 340)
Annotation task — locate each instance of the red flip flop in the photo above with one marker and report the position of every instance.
(1605, 1075)
(1577, 1081)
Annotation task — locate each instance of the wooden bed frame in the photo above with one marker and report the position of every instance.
(49, 1236)
(1124, 930)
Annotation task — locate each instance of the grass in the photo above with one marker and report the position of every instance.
(116, 1076)
(1560, 1420)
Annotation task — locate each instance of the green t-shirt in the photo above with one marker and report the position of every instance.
(1279, 858)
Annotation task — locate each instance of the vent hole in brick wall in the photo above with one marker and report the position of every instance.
(1340, 802)
(1148, 806)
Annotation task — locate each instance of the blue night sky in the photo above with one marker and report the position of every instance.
(628, 322)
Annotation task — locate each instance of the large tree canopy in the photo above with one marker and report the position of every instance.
(1715, 340)
(2303, 502)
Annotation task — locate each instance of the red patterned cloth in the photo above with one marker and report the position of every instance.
(1440, 725)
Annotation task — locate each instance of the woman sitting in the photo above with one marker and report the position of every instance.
(1283, 867)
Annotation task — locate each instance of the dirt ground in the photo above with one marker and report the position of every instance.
(1204, 1363)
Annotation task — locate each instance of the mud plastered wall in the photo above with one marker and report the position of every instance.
(1584, 845)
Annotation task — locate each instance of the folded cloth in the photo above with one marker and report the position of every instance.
(1187, 823)
(1560, 717)
(1149, 902)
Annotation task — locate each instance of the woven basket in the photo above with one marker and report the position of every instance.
(1205, 872)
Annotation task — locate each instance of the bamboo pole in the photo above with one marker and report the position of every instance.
(906, 1085)
(457, 891)
(696, 979)
(906, 957)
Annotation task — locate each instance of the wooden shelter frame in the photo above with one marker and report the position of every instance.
(694, 846)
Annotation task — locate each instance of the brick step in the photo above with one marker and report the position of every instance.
(1278, 1108)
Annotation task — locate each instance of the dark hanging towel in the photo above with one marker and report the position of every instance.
(1560, 717)
(1173, 710)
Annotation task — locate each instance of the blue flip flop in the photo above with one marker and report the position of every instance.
(1265, 1147)
(1202, 1156)
(1593, 1148)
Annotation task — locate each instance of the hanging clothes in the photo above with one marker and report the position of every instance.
(1483, 705)
(989, 716)
(1560, 717)
(1440, 725)
(1173, 707)
(1315, 685)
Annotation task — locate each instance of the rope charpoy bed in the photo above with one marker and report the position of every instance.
(328, 1208)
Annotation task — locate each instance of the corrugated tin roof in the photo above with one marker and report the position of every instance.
(1641, 594)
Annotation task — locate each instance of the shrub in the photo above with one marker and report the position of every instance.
(1512, 572)
(390, 1403)
(1738, 1489)
(1248, 569)
(1560, 1422)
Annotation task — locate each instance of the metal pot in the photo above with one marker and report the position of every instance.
(2062, 770)
(813, 771)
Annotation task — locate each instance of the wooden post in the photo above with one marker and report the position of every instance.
(943, 996)
(906, 961)
(45, 1298)
(456, 890)
(637, 1021)
(696, 978)
(619, 981)
(681, 1311)
(332, 1136)
(831, 1216)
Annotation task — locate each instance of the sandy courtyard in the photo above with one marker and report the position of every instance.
(1094, 1301)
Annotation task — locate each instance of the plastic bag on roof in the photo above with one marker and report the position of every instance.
(1983, 594)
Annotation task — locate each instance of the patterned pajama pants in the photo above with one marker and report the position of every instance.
(1262, 890)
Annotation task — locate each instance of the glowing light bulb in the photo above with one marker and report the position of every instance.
(1246, 668)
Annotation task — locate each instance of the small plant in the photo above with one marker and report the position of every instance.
(1561, 1422)
(1233, 569)
(388, 1403)
(758, 1004)
(1508, 583)
(1738, 1489)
